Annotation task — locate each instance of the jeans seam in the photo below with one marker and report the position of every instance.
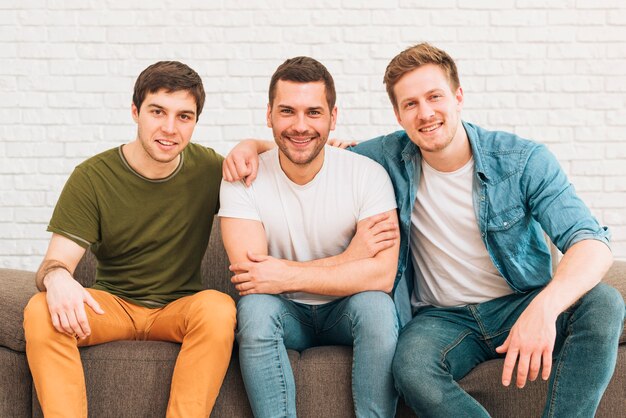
(347, 315)
(445, 353)
(446, 350)
(557, 373)
(283, 380)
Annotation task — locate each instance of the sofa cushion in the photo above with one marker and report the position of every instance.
(17, 288)
(15, 384)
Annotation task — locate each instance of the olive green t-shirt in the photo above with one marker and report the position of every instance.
(149, 236)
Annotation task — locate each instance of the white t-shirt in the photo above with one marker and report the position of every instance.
(315, 220)
(446, 246)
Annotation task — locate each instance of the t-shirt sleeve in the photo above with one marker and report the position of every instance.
(76, 215)
(237, 201)
(377, 194)
(217, 172)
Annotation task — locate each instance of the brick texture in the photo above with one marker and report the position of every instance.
(550, 71)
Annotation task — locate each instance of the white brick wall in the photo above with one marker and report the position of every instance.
(552, 71)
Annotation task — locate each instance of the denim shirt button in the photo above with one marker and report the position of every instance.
(482, 198)
(505, 223)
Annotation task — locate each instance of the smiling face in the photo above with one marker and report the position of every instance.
(301, 121)
(165, 124)
(428, 109)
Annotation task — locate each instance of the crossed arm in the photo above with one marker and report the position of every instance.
(65, 296)
(369, 262)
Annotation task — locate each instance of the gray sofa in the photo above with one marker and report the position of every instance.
(132, 378)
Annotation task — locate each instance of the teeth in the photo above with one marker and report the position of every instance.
(161, 141)
(430, 128)
(302, 141)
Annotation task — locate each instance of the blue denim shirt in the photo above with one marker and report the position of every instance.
(519, 191)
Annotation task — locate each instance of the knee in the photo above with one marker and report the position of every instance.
(214, 311)
(413, 371)
(375, 314)
(607, 307)
(258, 317)
(37, 323)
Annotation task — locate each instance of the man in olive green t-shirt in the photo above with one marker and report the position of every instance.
(145, 210)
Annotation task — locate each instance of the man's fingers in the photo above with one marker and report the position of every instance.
(92, 303)
(56, 322)
(241, 167)
(65, 324)
(240, 278)
(77, 330)
(383, 245)
(254, 168)
(376, 219)
(547, 364)
(535, 366)
(505, 345)
(242, 266)
(83, 323)
(229, 170)
(509, 365)
(381, 227)
(256, 257)
(522, 370)
(385, 236)
(245, 287)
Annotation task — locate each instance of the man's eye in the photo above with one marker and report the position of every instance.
(157, 111)
(315, 113)
(408, 105)
(285, 111)
(435, 97)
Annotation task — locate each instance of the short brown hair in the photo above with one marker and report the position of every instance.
(414, 57)
(171, 76)
(304, 70)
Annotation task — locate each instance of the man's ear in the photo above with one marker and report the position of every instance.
(459, 98)
(134, 112)
(268, 116)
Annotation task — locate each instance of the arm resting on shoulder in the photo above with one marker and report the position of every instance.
(242, 162)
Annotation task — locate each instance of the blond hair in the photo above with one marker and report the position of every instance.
(415, 57)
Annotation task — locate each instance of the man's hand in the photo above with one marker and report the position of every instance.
(66, 303)
(530, 344)
(338, 143)
(262, 274)
(373, 235)
(242, 162)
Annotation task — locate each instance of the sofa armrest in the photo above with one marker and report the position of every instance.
(16, 289)
(616, 277)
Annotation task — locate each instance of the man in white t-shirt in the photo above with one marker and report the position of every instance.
(313, 245)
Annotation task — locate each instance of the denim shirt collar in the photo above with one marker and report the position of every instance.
(480, 167)
(409, 151)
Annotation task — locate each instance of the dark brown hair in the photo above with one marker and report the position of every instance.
(415, 57)
(171, 76)
(304, 70)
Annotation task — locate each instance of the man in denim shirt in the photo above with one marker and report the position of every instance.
(474, 278)
(473, 205)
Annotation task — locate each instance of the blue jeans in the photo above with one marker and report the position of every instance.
(270, 324)
(439, 346)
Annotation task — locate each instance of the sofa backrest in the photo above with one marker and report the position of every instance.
(215, 273)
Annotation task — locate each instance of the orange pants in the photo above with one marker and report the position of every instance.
(204, 323)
